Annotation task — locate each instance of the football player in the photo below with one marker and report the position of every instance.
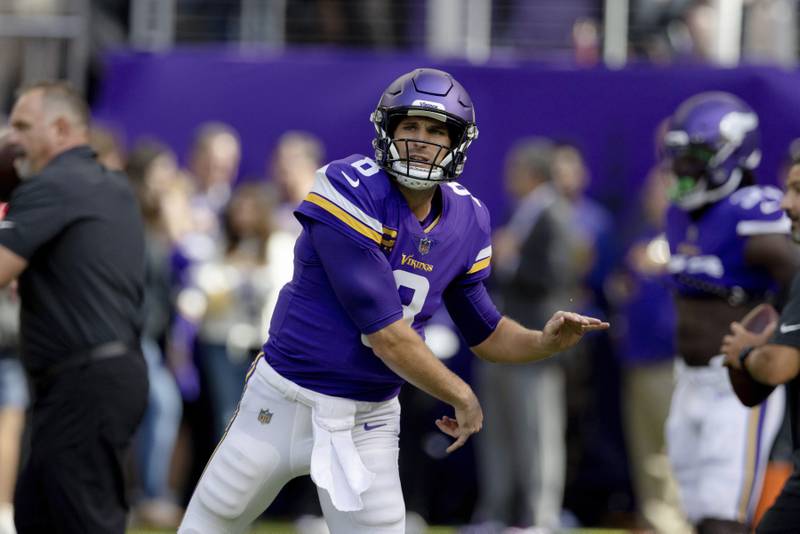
(385, 242)
(729, 252)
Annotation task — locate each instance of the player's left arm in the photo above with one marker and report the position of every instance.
(497, 338)
(513, 343)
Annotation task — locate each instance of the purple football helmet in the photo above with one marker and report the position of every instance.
(428, 93)
(711, 141)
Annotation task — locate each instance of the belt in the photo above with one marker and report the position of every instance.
(105, 351)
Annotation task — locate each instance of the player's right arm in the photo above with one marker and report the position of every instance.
(362, 279)
(404, 352)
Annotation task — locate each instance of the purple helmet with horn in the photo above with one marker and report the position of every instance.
(711, 141)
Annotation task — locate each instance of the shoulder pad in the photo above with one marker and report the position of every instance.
(470, 204)
(757, 210)
(350, 194)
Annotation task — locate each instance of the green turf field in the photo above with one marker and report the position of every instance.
(282, 528)
(286, 528)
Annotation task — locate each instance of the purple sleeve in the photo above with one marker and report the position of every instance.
(472, 310)
(360, 276)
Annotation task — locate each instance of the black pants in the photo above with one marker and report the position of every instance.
(784, 516)
(82, 424)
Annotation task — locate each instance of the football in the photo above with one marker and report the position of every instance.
(750, 392)
(9, 178)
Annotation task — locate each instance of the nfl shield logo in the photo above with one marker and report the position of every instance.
(424, 245)
(264, 417)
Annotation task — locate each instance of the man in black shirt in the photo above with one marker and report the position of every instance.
(778, 362)
(74, 239)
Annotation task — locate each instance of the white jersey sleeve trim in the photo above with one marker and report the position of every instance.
(747, 228)
(325, 188)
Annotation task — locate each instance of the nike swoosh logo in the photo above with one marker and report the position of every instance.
(786, 328)
(369, 427)
(354, 183)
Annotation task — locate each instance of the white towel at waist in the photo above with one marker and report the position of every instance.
(335, 463)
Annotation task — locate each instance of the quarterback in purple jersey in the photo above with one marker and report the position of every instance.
(385, 242)
(729, 252)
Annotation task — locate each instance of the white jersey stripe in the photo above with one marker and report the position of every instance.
(781, 226)
(484, 253)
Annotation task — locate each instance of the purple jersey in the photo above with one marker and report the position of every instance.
(707, 254)
(313, 341)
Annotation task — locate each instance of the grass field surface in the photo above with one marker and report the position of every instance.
(286, 528)
(282, 528)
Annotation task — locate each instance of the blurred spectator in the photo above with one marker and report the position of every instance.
(194, 218)
(524, 405)
(541, 28)
(106, 144)
(25, 60)
(770, 31)
(238, 287)
(353, 23)
(152, 169)
(597, 483)
(214, 164)
(645, 344)
(673, 30)
(293, 165)
(591, 223)
(13, 402)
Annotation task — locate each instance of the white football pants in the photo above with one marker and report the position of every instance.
(718, 447)
(269, 442)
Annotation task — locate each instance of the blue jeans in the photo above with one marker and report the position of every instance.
(13, 384)
(159, 429)
(225, 380)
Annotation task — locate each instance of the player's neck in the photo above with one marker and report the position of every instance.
(419, 202)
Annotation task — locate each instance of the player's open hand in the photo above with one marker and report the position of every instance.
(565, 329)
(468, 421)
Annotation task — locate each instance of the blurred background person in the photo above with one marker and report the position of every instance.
(525, 404)
(644, 330)
(238, 286)
(214, 166)
(293, 166)
(728, 252)
(153, 171)
(597, 480)
(106, 143)
(14, 398)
